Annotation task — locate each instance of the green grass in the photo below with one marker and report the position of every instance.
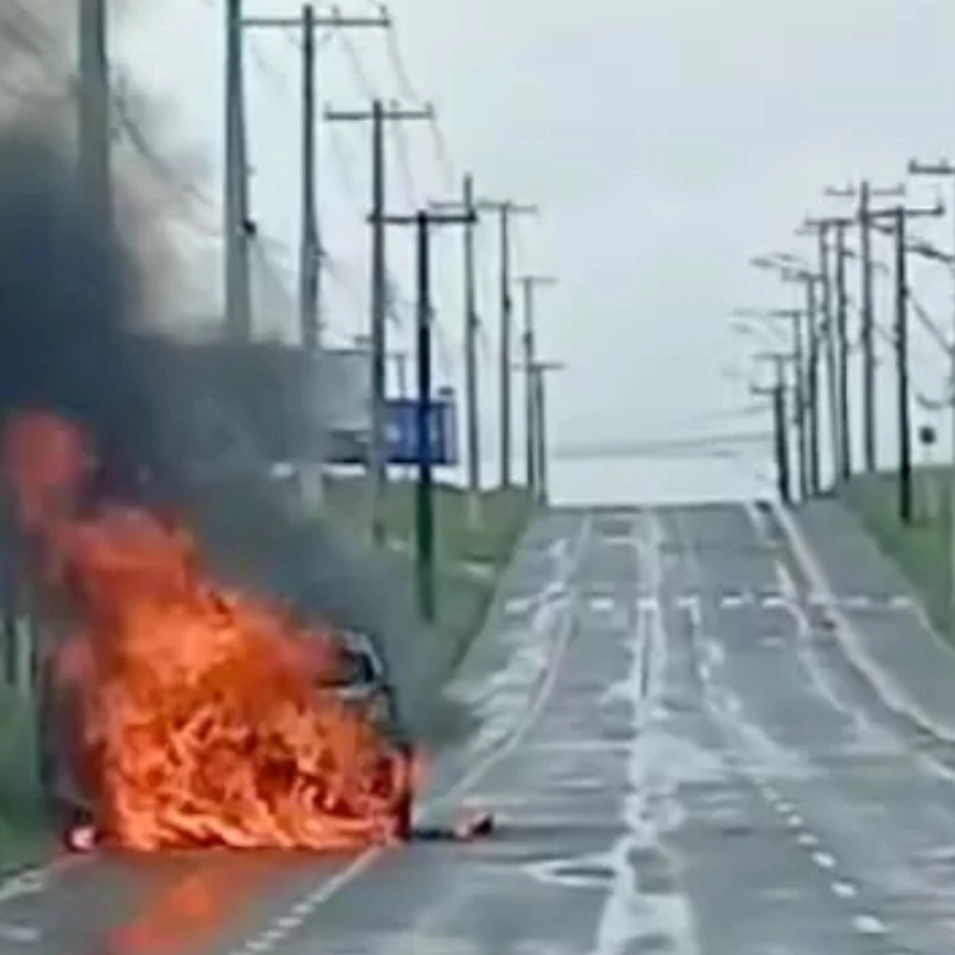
(922, 549)
(469, 556)
(469, 560)
(24, 834)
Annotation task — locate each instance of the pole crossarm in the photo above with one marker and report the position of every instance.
(285, 22)
(390, 113)
(432, 218)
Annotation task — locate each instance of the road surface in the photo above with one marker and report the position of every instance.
(683, 757)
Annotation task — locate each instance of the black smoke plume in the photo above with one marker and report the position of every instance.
(69, 343)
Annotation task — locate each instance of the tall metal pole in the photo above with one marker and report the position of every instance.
(424, 536)
(378, 115)
(945, 168)
(782, 442)
(377, 464)
(865, 194)
(539, 389)
(471, 328)
(812, 384)
(529, 284)
(826, 328)
(842, 331)
(902, 371)
(238, 317)
(531, 401)
(309, 252)
(868, 333)
(424, 496)
(799, 397)
(94, 111)
(505, 346)
(530, 415)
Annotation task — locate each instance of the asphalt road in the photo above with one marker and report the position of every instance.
(682, 759)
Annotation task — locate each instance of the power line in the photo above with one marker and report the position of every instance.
(404, 162)
(362, 77)
(447, 167)
(407, 88)
(345, 162)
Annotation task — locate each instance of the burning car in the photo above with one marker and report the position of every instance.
(360, 682)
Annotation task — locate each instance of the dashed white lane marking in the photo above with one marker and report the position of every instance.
(868, 925)
(795, 821)
(807, 839)
(844, 889)
(824, 860)
(19, 934)
(275, 932)
(735, 600)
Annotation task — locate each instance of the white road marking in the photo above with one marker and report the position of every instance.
(28, 882)
(795, 821)
(602, 604)
(868, 925)
(515, 606)
(19, 934)
(773, 600)
(844, 889)
(625, 914)
(824, 860)
(273, 932)
(648, 603)
(853, 643)
(807, 839)
(735, 600)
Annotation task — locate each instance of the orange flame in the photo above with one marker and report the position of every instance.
(203, 714)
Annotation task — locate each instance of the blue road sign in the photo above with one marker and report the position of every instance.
(402, 429)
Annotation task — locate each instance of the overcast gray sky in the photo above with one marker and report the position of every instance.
(665, 142)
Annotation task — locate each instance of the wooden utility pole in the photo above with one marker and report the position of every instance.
(506, 210)
(946, 169)
(529, 283)
(899, 216)
(865, 194)
(378, 116)
(538, 385)
(308, 22)
(777, 394)
(423, 221)
(837, 339)
(812, 382)
(472, 325)
(94, 110)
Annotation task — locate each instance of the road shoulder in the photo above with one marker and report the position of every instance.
(877, 615)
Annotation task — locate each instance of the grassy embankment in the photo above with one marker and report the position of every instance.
(922, 549)
(468, 559)
(469, 563)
